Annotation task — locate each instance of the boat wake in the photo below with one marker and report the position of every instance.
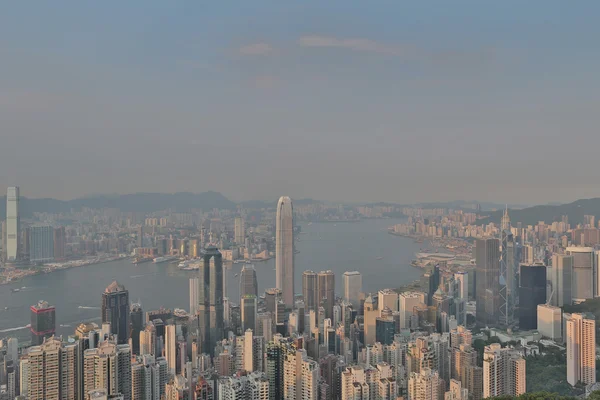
(16, 329)
(136, 276)
(88, 308)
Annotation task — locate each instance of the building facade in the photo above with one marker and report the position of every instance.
(284, 249)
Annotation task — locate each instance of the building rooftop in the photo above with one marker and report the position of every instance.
(114, 287)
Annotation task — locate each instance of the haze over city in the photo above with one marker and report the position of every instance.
(341, 101)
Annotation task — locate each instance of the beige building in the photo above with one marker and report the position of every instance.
(549, 321)
(503, 372)
(456, 392)
(424, 385)
(300, 377)
(387, 298)
(407, 302)
(108, 367)
(581, 349)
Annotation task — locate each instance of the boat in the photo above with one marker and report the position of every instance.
(235, 275)
(159, 260)
(140, 260)
(379, 258)
(183, 264)
(16, 290)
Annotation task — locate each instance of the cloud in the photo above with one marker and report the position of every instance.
(356, 44)
(256, 49)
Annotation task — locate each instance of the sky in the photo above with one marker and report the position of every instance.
(335, 100)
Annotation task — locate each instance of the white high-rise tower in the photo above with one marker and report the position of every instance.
(13, 224)
(284, 249)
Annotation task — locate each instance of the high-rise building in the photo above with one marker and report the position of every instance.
(560, 280)
(115, 311)
(108, 367)
(407, 302)
(194, 300)
(41, 244)
(487, 259)
(239, 231)
(254, 386)
(457, 391)
(385, 329)
(309, 290)
(148, 340)
(171, 348)
(60, 240)
(503, 372)
(210, 295)
(462, 278)
(387, 298)
(326, 292)
(532, 292)
(549, 321)
(424, 385)
(248, 281)
(284, 249)
(140, 236)
(43, 322)
(581, 349)
(352, 287)
(13, 224)
(248, 308)
(584, 271)
(300, 377)
(136, 316)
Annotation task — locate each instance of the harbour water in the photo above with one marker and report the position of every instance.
(365, 246)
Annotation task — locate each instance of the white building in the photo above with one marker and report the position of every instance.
(194, 299)
(581, 349)
(549, 321)
(584, 271)
(352, 287)
(559, 275)
(462, 278)
(408, 301)
(284, 250)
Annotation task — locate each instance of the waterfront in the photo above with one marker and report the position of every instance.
(76, 293)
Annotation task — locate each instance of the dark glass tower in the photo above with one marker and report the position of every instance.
(309, 290)
(43, 322)
(532, 292)
(384, 330)
(248, 282)
(326, 292)
(210, 297)
(487, 258)
(115, 311)
(137, 325)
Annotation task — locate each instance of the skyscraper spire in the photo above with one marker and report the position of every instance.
(505, 224)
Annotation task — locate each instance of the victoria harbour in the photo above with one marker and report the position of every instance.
(365, 246)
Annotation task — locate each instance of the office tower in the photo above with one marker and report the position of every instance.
(387, 298)
(43, 322)
(41, 244)
(115, 311)
(136, 316)
(171, 348)
(584, 271)
(264, 326)
(407, 302)
(352, 287)
(385, 329)
(194, 300)
(284, 249)
(370, 317)
(60, 240)
(254, 386)
(462, 279)
(464, 359)
(360, 382)
(532, 292)
(309, 290)
(549, 321)
(277, 349)
(148, 340)
(487, 259)
(424, 385)
(503, 372)
(248, 282)
(560, 279)
(239, 231)
(140, 236)
(581, 349)
(13, 224)
(326, 292)
(300, 376)
(108, 367)
(249, 307)
(210, 295)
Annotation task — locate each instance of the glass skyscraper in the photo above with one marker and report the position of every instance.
(284, 249)
(13, 224)
(210, 297)
(115, 311)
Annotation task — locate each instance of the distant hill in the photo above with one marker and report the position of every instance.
(549, 213)
(142, 202)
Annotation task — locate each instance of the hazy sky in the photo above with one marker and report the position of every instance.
(338, 100)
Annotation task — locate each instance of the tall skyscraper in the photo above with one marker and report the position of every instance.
(560, 279)
(487, 259)
(549, 321)
(309, 290)
(407, 302)
(108, 367)
(115, 311)
(532, 293)
(248, 282)
(43, 322)
(249, 308)
(581, 349)
(13, 224)
(239, 231)
(503, 372)
(424, 385)
(41, 244)
(136, 316)
(171, 348)
(352, 287)
(584, 271)
(284, 249)
(140, 236)
(210, 296)
(60, 240)
(326, 292)
(194, 300)
(300, 376)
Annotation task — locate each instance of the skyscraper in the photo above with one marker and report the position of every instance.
(503, 372)
(140, 236)
(43, 322)
(248, 282)
(210, 297)
(13, 224)
(41, 244)
(560, 279)
(60, 239)
(194, 300)
(309, 290)
(352, 287)
(326, 292)
(284, 249)
(487, 279)
(108, 367)
(239, 231)
(549, 321)
(300, 376)
(425, 385)
(248, 308)
(532, 292)
(584, 271)
(136, 316)
(171, 348)
(581, 349)
(115, 311)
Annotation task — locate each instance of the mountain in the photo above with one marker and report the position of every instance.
(549, 213)
(142, 202)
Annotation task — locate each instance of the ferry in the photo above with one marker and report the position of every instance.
(159, 260)
(16, 290)
(140, 260)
